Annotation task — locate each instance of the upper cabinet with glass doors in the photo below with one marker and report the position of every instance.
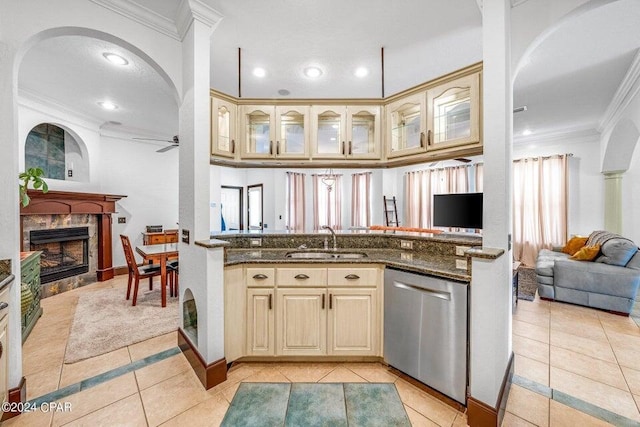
(275, 132)
(407, 126)
(223, 128)
(454, 113)
(345, 132)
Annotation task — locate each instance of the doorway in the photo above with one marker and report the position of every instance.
(231, 208)
(254, 206)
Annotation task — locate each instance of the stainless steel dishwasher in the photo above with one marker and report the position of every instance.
(425, 330)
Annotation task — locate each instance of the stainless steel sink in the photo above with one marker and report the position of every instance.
(326, 255)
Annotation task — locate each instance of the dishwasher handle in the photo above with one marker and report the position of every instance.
(431, 292)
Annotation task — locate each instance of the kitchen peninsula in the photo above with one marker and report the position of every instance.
(287, 298)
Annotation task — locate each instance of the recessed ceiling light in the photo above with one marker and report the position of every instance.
(361, 72)
(312, 72)
(259, 72)
(526, 132)
(115, 59)
(108, 105)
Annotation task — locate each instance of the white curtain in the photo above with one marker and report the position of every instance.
(420, 186)
(295, 201)
(327, 201)
(539, 205)
(361, 199)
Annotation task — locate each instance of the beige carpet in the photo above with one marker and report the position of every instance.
(104, 321)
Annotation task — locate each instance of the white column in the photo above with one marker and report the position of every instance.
(613, 201)
(201, 269)
(490, 323)
(9, 209)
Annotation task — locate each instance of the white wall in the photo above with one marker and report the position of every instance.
(150, 182)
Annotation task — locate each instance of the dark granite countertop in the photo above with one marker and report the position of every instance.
(212, 243)
(5, 269)
(441, 266)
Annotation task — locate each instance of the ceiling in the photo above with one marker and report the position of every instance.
(567, 83)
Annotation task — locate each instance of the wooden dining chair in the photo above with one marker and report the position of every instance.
(137, 272)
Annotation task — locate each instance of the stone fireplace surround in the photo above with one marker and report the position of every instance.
(59, 209)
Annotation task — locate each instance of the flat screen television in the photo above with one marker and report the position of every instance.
(463, 210)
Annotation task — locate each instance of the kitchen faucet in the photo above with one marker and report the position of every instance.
(333, 233)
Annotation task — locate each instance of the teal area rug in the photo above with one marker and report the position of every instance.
(314, 404)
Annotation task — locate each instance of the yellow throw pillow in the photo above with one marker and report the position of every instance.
(587, 253)
(574, 244)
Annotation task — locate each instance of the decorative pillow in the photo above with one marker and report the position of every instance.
(618, 252)
(574, 244)
(587, 253)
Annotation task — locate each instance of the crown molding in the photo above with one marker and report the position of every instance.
(627, 90)
(56, 110)
(190, 10)
(142, 15)
(575, 134)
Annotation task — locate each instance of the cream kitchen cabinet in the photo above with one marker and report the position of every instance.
(345, 132)
(275, 132)
(301, 321)
(223, 128)
(453, 117)
(260, 322)
(353, 326)
(407, 126)
(235, 313)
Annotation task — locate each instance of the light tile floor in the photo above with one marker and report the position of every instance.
(566, 357)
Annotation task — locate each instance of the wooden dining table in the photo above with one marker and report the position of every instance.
(160, 253)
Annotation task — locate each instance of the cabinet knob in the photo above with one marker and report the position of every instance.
(343, 148)
(233, 146)
(1, 350)
(330, 301)
(322, 301)
(350, 150)
(429, 138)
(352, 277)
(260, 276)
(270, 147)
(301, 276)
(270, 301)
(277, 148)
(421, 139)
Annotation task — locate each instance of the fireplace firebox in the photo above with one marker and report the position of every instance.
(65, 252)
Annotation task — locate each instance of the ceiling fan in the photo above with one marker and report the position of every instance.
(175, 142)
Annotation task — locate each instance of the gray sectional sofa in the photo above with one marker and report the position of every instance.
(610, 282)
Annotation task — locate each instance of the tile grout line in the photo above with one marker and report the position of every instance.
(103, 377)
(573, 402)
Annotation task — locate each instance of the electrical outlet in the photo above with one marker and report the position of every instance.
(460, 250)
(256, 242)
(406, 244)
(406, 256)
(461, 264)
(185, 236)
(122, 220)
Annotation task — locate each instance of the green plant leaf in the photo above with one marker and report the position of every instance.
(45, 187)
(25, 199)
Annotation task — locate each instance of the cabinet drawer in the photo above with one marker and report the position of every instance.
(353, 277)
(260, 277)
(301, 277)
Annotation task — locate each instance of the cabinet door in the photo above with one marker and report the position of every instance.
(301, 321)
(258, 131)
(363, 132)
(235, 313)
(329, 136)
(292, 132)
(223, 128)
(353, 327)
(406, 121)
(260, 322)
(453, 113)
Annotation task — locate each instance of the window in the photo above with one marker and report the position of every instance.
(327, 201)
(295, 201)
(361, 199)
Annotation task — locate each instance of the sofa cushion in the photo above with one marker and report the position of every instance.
(574, 245)
(545, 261)
(635, 261)
(618, 252)
(587, 253)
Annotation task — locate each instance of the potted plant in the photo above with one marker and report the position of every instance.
(33, 175)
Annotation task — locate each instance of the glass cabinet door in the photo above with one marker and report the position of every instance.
(292, 127)
(406, 122)
(329, 132)
(453, 113)
(223, 124)
(259, 131)
(363, 139)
